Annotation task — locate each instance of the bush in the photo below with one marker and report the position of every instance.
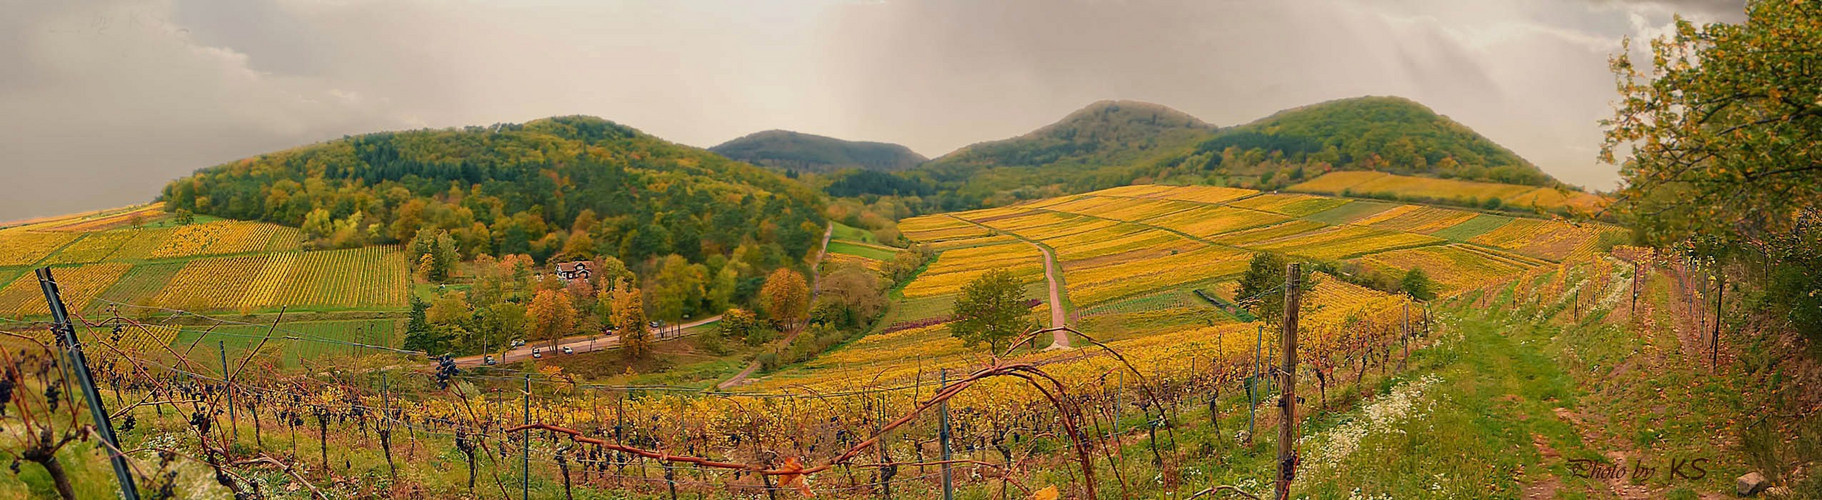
(761, 335)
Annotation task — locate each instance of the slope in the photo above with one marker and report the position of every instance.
(787, 150)
(1088, 149)
(563, 187)
(1390, 134)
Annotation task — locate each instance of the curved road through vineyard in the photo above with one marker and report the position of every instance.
(1058, 339)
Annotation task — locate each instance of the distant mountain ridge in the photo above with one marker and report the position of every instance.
(1102, 131)
(1091, 148)
(1114, 143)
(787, 150)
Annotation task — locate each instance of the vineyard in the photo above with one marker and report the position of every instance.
(1142, 267)
(832, 426)
(319, 402)
(953, 268)
(110, 258)
(1384, 185)
(1140, 240)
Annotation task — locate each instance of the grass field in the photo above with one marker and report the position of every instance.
(861, 250)
(1351, 212)
(308, 340)
(851, 233)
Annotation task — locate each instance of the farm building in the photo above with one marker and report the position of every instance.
(573, 270)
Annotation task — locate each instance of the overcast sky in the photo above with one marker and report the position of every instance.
(103, 101)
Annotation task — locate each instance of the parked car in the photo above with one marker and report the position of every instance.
(518, 343)
(489, 361)
(567, 350)
(537, 353)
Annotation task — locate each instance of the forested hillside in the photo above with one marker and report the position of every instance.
(556, 188)
(1389, 134)
(785, 150)
(1115, 143)
(1091, 148)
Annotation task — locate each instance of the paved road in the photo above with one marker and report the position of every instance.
(580, 343)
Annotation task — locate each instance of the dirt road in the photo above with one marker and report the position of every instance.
(1058, 339)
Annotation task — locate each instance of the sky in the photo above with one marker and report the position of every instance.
(104, 101)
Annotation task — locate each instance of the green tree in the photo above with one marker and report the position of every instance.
(419, 334)
(608, 270)
(677, 289)
(629, 319)
(1715, 141)
(318, 224)
(787, 297)
(1261, 288)
(722, 287)
(436, 247)
(449, 309)
(739, 324)
(502, 322)
(1720, 133)
(552, 316)
(856, 292)
(1417, 285)
(990, 310)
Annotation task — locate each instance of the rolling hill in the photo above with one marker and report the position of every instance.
(1390, 134)
(569, 187)
(787, 150)
(1115, 143)
(1091, 148)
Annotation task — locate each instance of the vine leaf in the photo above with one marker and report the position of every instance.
(794, 477)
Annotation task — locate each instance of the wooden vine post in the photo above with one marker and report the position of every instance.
(1287, 395)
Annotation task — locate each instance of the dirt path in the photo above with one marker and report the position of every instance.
(1058, 339)
(815, 289)
(815, 266)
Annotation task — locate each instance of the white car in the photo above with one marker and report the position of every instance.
(567, 350)
(536, 354)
